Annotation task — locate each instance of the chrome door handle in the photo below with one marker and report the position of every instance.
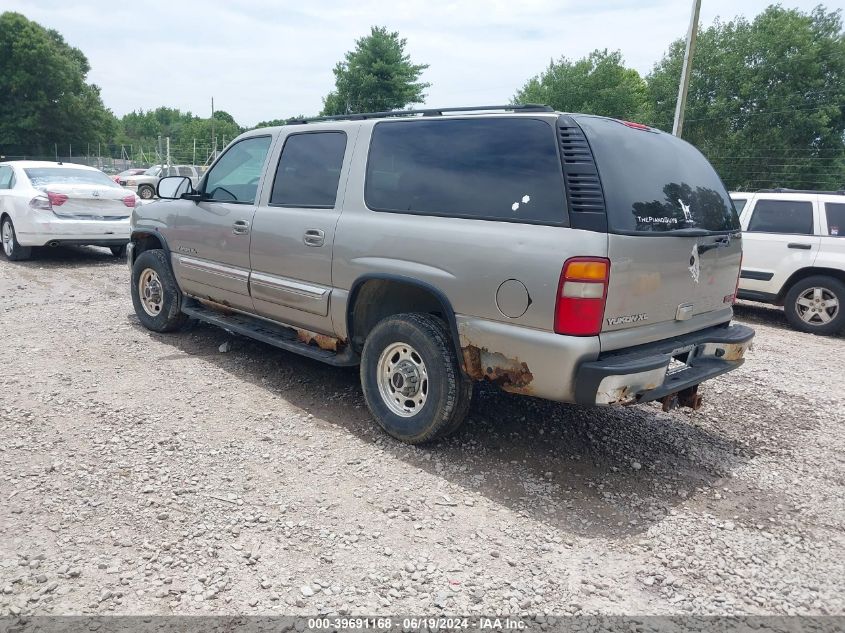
(314, 237)
(240, 227)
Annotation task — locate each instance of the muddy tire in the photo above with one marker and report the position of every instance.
(146, 192)
(816, 305)
(155, 295)
(411, 379)
(11, 248)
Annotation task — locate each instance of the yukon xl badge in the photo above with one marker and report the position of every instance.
(629, 318)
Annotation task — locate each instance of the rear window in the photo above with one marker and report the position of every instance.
(491, 169)
(40, 176)
(835, 218)
(794, 217)
(654, 182)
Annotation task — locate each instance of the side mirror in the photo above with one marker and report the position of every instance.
(174, 187)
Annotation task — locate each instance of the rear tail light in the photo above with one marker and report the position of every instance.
(56, 199)
(581, 296)
(41, 203)
(732, 298)
(129, 201)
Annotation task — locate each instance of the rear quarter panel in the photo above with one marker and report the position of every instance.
(467, 260)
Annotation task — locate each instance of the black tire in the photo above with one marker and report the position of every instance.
(169, 316)
(448, 393)
(146, 192)
(118, 251)
(830, 288)
(12, 249)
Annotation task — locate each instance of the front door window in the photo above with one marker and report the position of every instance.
(234, 178)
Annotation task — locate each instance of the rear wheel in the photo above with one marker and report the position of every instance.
(815, 305)
(155, 295)
(411, 379)
(11, 248)
(146, 192)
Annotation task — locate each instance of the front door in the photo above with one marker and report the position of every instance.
(780, 238)
(293, 230)
(210, 238)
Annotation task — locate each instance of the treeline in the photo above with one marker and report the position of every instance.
(766, 102)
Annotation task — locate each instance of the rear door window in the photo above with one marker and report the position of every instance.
(5, 177)
(835, 218)
(487, 168)
(739, 204)
(794, 217)
(309, 170)
(186, 171)
(654, 182)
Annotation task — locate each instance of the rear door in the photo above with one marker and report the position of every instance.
(832, 240)
(294, 227)
(780, 237)
(673, 234)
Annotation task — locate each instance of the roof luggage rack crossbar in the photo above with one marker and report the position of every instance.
(841, 192)
(523, 107)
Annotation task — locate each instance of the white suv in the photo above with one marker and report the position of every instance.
(794, 255)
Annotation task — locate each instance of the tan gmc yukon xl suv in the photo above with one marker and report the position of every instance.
(564, 256)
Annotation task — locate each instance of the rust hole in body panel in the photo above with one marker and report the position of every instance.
(509, 374)
(323, 341)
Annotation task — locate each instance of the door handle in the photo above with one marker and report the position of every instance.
(240, 227)
(314, 237)
(803, 247)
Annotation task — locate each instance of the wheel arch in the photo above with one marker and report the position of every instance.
(375, 296)
(145, 240)
(803, 273)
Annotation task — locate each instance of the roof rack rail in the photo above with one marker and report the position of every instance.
(840, 192)
(523, 107)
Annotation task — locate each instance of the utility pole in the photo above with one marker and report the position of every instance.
(213, 136)
(678, 125)
(169, 163)
(195, 153)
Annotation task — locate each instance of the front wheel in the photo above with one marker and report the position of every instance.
(155, 295)
(411, 378)
(814, 305)
(12, 249)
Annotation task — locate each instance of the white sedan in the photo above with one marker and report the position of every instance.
(48, 204)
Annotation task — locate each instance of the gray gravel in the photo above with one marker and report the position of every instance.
(202, 473)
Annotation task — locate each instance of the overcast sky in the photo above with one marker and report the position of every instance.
(263, 60)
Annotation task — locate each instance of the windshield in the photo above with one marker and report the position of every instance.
(656, 183)
(153, 171)
(40, 176)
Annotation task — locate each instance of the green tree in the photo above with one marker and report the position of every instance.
(377, 76)
(44, 98)
(766, 100)
(597, 84)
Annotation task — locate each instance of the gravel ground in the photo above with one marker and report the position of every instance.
(157, 474)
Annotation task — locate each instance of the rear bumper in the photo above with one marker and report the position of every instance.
(643, 374)
(44, 229)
